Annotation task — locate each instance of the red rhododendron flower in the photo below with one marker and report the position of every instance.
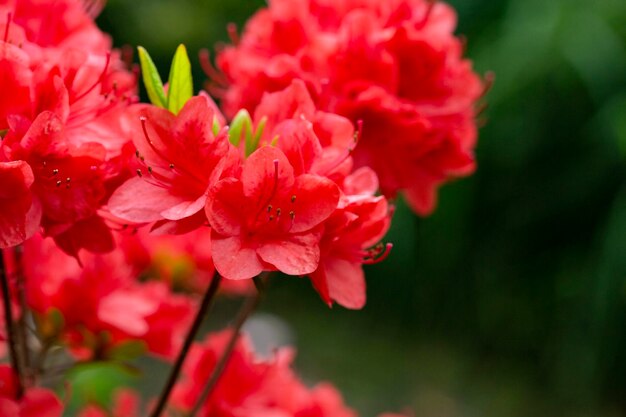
(36, 402)
(68, 180)
(269, 218)
(250, 386)
(322, 143)
(114, 307)
(179, 159)
(47, 27)
(394, 65)
(66, 91)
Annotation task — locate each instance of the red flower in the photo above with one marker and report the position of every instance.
(114, 308)
(250, 386)
(68, 180)
(269, 218)
(179, 158)
(36, 402)
(394, 65)
(56, 25)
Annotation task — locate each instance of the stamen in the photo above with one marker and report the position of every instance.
(359, 131)
(139, 173)
(99, 80)
(150, 170)
(68, 179)
(269, 208)
(293, 198)
(292, 214)
(6, 29)
(490, 78)
(378, 254)
(55, 171)
(171, 166)
(59, 183)
(278, 212)
(210, 70)
(429, 10)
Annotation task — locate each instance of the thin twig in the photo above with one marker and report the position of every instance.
(21, 323)
(244, 313)
(10, 329)
(191, 335)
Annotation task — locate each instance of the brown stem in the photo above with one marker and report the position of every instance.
(244, 313)
(21, 324)
(10, 329)
(209, 295)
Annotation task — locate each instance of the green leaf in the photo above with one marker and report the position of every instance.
(95, 383)
(242, 123)
(180, 88)
(151, 79)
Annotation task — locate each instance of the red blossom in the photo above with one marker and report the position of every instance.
(178, 159)
(269, 218)
(396, 65)
(250, 386)
(114, 307)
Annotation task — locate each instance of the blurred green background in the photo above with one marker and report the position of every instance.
(511, 299)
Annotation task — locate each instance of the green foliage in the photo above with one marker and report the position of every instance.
(96, 383)
(241, 127)
(180, 82)
(151, 79)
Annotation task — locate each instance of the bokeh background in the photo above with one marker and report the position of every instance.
(510, 300)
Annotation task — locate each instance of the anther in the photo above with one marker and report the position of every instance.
(271, 218)
(150, 170)
(58, 183)
(293, 198)
(269, 208)
(139, 173)
(137, 153)
(55, 171)
(359, 131)
(278, 212)
(171, 166)
(292, 214)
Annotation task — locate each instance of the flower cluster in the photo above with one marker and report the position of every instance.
(120, 221)
(61, 118)
(396, 65)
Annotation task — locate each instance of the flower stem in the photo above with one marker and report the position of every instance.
(207, 300)
(244, 313)
(10, 328)
(18, 252)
